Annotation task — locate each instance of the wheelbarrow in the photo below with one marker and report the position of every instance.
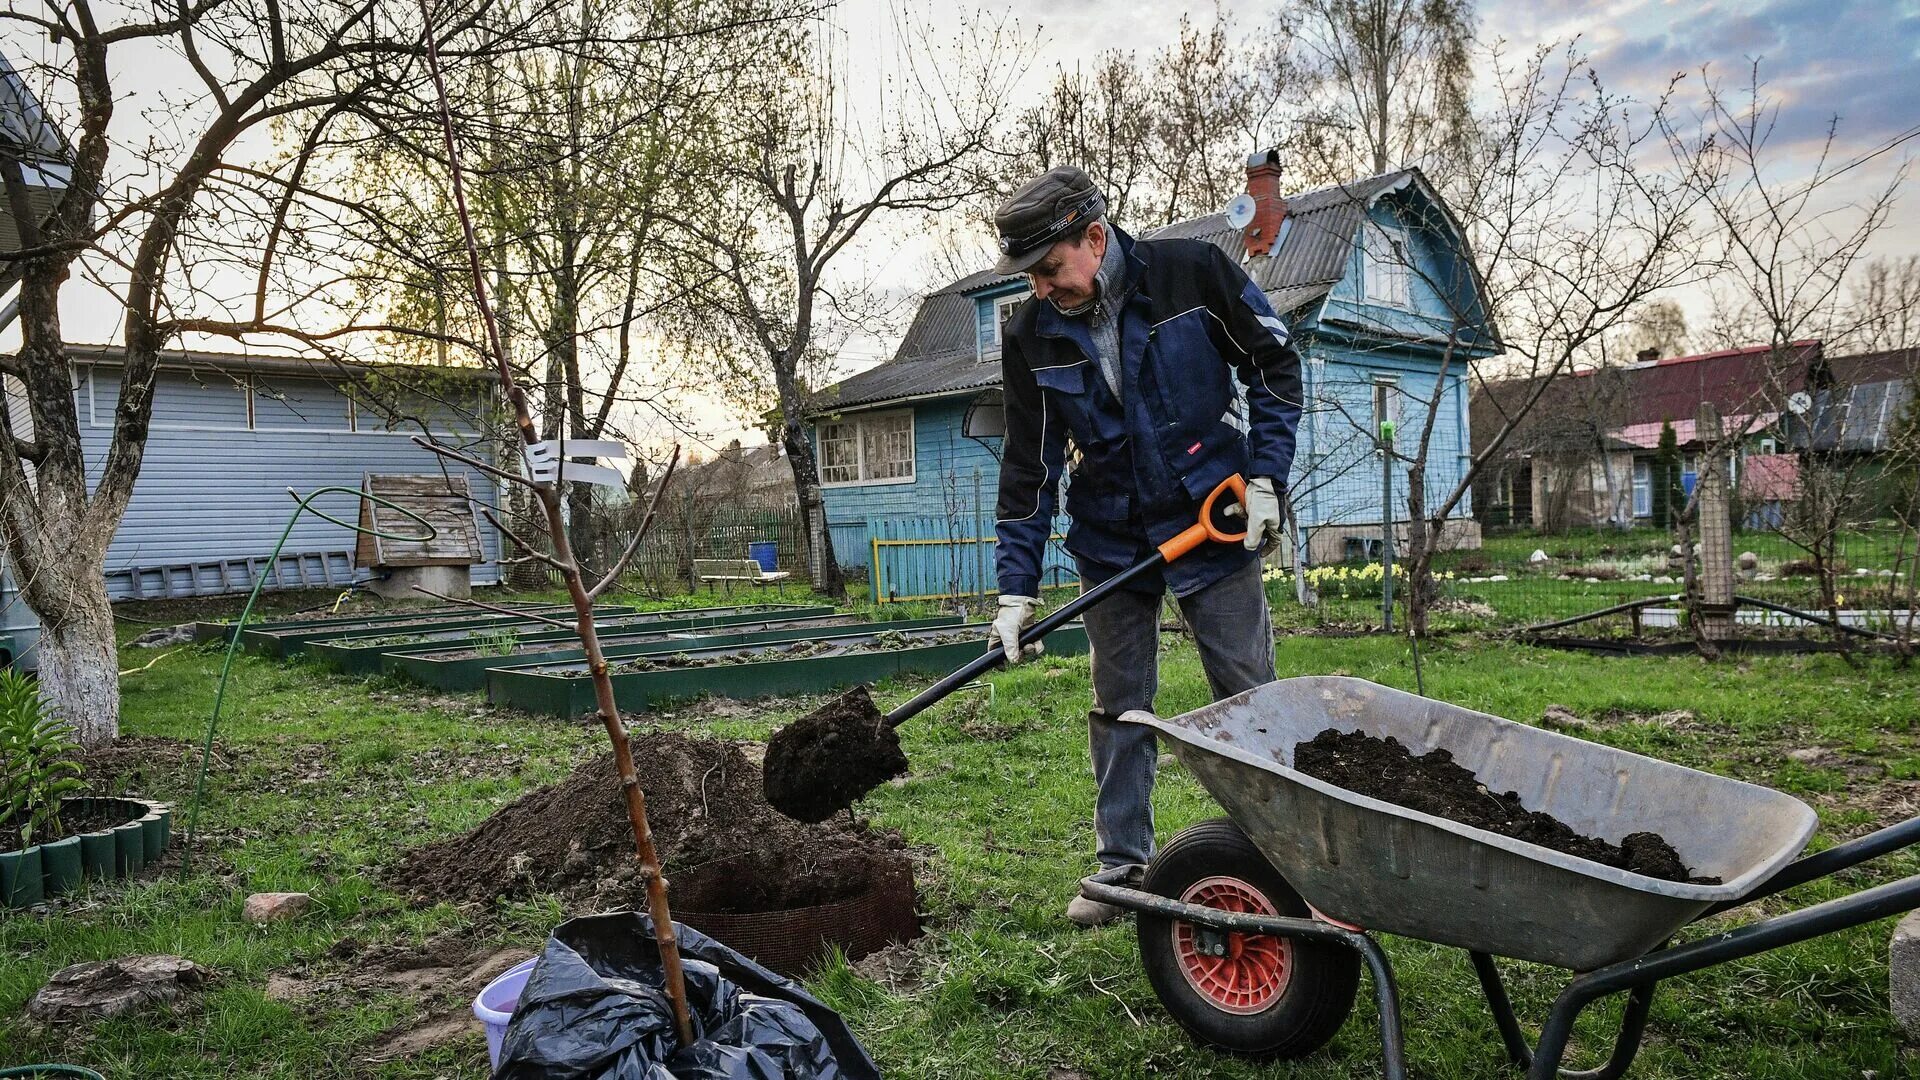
(1250, 926)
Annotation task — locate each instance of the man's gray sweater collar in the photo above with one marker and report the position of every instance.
(1103, 311)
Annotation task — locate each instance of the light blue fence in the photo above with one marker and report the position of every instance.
(937, 558)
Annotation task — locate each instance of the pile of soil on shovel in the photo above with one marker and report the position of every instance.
(725, 850)
(1433, 784)
(823, 762)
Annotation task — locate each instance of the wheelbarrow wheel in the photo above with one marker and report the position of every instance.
(1250, 994)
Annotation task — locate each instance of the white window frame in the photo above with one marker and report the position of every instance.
(241, 384)
(1642, 487)
(303, 429)
(1383, 403)
(859, 422)
(990, 350)
(1386, 267)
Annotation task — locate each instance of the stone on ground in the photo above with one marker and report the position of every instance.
(102, 988)
(272, 906)
(1903, 973)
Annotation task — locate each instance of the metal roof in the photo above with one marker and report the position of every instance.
(939, 355)
(268, 363)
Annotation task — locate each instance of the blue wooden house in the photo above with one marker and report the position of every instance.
(1379, 288)
(232, 433)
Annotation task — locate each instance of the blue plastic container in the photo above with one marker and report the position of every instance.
(766, 553)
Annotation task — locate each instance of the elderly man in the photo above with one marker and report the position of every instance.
(1128, 349)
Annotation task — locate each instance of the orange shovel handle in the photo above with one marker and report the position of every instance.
(1205, 529)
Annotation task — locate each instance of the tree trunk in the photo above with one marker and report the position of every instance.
(824, 568)
(1419, 551)
(80, 661)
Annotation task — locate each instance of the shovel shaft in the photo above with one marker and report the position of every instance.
(996, 656)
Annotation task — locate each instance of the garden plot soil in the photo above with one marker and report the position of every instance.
(725, 850)
(1433, 784)
(885, 641)
(610, 635)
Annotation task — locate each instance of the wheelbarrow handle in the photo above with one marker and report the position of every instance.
(1207, 528)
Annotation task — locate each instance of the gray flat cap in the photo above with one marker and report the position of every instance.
(1060, 201)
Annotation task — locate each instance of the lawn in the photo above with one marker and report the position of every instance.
(321, 781)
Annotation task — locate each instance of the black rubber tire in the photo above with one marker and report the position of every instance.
(1324, 979)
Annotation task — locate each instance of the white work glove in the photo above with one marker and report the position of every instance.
(1016, 614)
(1263, 513)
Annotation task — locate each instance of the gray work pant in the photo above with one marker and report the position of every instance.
(1231, 625)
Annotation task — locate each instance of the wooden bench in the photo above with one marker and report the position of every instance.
(732, 570)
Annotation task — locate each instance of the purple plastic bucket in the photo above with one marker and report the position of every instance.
(494, 1005)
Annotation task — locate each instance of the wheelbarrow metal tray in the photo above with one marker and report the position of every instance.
(1400, 871)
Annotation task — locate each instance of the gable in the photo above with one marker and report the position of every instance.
(1408, 276)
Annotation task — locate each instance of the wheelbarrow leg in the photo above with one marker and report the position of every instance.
(1386, 994)
(1633, 1026)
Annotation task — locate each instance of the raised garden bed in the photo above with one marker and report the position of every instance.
(824, 663)
(205, 631)
(466, 668)
(363, 655)
(286, 641)
(106, 839)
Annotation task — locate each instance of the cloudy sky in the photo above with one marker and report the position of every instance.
(1822, 59)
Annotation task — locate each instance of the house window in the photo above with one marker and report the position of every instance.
(1386, 275)
(1768, 445)
(869, 449)
(1642, 488)
(993, 315)
(1386, 403)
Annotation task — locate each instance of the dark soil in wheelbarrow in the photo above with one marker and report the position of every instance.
(725, 850)
(1433, 783)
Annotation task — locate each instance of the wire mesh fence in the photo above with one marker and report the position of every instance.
(1524, 578)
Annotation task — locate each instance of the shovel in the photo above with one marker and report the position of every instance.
(824, 761)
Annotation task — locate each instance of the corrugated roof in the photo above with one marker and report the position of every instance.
(938, 354)
(267, 363)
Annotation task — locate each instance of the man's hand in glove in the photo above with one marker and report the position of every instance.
(1264, 522)
(1016, 614)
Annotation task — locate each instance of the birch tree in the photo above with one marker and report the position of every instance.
(166, 217)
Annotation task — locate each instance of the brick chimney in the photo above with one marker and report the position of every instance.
(1269, 206)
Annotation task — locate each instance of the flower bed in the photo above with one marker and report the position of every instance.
(101, 839)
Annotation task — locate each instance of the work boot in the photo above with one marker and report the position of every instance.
(1091, 913)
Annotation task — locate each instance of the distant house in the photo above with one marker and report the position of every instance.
(759, 474)
(1585, 454)
(1374, 278)
(232, 433)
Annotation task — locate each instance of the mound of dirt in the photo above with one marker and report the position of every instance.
(1433, 783)
(724, 849)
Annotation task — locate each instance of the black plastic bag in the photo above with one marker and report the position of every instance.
(594, 1008)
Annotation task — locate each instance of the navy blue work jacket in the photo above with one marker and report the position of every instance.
(1190, 321)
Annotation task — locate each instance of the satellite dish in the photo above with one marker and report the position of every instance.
(1801, 403)
(1240, 211)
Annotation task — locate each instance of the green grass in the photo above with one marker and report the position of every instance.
(324, 780)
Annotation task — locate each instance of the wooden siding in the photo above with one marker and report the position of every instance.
(952, 474)
(213, 489)
(1336, 471)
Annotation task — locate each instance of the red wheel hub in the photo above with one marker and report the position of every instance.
(1248, 973)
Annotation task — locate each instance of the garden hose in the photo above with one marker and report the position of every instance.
(51, 1070)
(233, 640)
